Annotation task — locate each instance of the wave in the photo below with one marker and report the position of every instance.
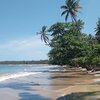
(16, 75)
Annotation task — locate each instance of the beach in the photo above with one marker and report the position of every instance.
(52, 84)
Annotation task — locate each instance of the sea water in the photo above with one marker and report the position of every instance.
(16, 71)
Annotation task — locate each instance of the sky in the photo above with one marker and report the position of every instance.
(20, 20)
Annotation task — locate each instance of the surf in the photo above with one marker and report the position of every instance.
(16, 75)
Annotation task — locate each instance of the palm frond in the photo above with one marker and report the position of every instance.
(46, 40)
(64, 12)
(71, 8)
(66, 17)
(43, 33)
(63, 7)
(44, 28)
(38, 33)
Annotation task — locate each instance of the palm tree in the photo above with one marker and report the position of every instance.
(71, 9)
(57, 29)
(44, 36)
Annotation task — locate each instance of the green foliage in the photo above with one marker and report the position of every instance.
(80, 61)
(98, 31)
(57, 29)
(96, 60)
(96, 55)
(70, 46)
(65, 46)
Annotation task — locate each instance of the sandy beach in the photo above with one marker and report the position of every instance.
(69, 85)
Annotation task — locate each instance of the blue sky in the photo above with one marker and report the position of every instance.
(21, 19)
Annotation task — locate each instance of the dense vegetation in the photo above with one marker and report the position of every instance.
(69, 45)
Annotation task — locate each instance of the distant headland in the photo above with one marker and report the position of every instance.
(25, 62)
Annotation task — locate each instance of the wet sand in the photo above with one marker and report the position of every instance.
(68, 85)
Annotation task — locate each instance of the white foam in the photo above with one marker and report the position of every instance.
(97, 80)
(50, 66)
(17, 75)
(97, 75)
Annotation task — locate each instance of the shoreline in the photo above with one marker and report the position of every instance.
(50, 85)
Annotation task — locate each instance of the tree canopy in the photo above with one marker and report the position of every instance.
(69, 45)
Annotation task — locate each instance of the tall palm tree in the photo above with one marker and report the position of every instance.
(71, 8)
(44, 36)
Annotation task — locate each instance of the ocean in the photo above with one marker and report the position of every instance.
(8, 72)
(47, 82)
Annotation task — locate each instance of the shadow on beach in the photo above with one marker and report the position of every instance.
(81, 96)
(29, 96)
(50, 86)
(17, 86)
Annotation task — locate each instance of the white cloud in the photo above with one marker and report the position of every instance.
(22, 44)
(30, 48)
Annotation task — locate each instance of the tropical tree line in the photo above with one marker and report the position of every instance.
(69, 45)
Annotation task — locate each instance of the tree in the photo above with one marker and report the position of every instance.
(44, 36)
(71, 8)
(67, 46)
(98, 31)
(96, 55)
(57, 29)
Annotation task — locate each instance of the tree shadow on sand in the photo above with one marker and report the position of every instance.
(30, 96)
(81, 96)
(27, 95)
(17, 86)
(63, 77)
(27, 86)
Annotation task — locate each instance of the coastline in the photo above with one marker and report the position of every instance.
(49, 86)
